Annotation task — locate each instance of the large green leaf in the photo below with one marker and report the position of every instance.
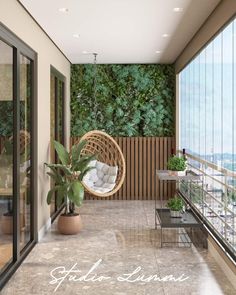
(50, 195)
(56, 177)
(62, 153)
(65, 169)
(83, 163)
(57, 188)
(85, 171)
(55, 174)
(61, 194)
(78, 193)
(76, 150)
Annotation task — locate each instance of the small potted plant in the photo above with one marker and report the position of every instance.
(232, 198)
(177, 166)
(68, 176)
(176, 205)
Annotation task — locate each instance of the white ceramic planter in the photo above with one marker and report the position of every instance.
(175, 214)
(177, 173)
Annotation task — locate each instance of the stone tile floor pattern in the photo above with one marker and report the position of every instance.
(122, 234)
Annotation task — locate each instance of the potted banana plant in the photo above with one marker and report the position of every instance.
(68, 176)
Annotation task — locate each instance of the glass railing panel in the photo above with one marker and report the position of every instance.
(213, 197)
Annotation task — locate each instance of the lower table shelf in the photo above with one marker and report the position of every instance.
(187, 220)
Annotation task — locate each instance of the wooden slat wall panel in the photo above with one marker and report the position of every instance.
(143, 155)
(157, 163)
(165, 193)
(144, 172)
(149, 169)
(136, 176)
(140, 184)
(153, 165)
(1, 143)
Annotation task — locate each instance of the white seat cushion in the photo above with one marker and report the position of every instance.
(102, 178)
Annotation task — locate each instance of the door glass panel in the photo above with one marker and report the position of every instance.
(6, 154)
(213, 87)
(60, 111)
(25, 149)
(57, 121)
(52, 136)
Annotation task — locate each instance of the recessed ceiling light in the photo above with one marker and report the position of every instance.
(76, 35)
(63, 9)
(84, 52)
(158, 51)
(178, 9)
(165, 35)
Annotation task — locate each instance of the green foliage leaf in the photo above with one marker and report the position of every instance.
(85, 171)
(56, 177)
(131, 100)
(82, 164)
(62, 153)
(175, 204)
(50, 195)
(76, 150)
(62, 167)
(76, 193)
(176, 163)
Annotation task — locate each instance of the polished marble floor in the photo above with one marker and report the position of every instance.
(119, 241)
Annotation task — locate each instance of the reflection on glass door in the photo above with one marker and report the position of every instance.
(6, 154)
(17, 141)
(25, 149)
(57, 123)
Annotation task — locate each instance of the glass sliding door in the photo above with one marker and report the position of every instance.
(18, 186)
(57, 124)
(6, 154)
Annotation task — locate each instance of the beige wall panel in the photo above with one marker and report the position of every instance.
(16, 19)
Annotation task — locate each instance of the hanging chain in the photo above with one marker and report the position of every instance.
(95, 88)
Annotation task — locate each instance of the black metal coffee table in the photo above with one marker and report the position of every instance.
(163, 214)
(186, 221)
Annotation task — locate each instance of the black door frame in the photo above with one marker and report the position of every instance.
(19, 47)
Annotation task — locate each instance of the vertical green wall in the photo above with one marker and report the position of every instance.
(131, 100)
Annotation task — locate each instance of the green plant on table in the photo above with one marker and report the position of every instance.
(232, 197)
(176, 163)
(175, 204)
(68, 175)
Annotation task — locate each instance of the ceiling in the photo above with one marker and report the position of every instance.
(121, 31)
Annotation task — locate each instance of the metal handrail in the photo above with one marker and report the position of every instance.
(224, 171)
(210, 164)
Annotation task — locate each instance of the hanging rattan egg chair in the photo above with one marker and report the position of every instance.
(110, 173)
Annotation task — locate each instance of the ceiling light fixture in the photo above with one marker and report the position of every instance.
(63, 9)
(178, 9)
(76, 35)
(165, 35)
(158, 51)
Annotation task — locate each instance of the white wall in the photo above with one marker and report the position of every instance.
(16, 19)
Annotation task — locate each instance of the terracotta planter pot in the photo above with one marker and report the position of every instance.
(7, 223)
(69, 224)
